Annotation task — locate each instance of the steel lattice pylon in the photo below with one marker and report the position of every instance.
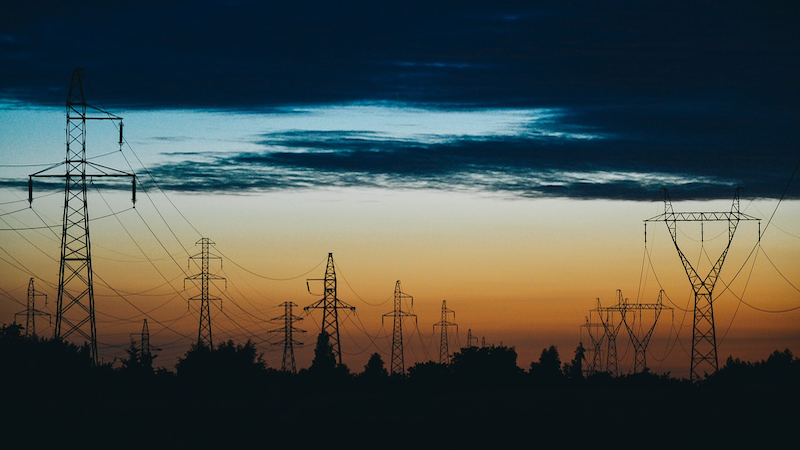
(704, 338)
(595, 363)
(75, 303)
(31, 312)
(287, 319)
(204, 337)
(398, 363)
(631, 314)
(444, 324)
(611, 330)
(330, 306)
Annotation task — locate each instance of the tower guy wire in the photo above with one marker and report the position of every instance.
(330, 306)
(204, 337)
(704, 337)
(75, 312)
(31, 312)
(398, 364)
(288, 342)
(444, 324)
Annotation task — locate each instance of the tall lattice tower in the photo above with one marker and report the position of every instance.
(398, 364)
(288, 342)
(611, 331)
(144, 349)
(75, 304)
(639, 331)
(597, 335)
(330, 306)
(444, 325)
(205, 278)
(31, 312)
(704, 337)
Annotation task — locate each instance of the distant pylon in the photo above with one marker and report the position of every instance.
(75, 304)
(330, 306)
(444, 324)
(398, 363)
(611, 330)
(634, 323)
(598, 338)
(31, 312)
(204, 337)
(704, 336)
(471, 338)
(145, 350)
(288, 342)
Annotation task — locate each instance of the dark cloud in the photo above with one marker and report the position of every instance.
(691, 90)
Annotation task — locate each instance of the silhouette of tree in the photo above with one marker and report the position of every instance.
(548, 369)
(137, 362)
(375, 369)
(324, 362)
(429, 372)
(574, 370)
(227, 362)
(486, 364)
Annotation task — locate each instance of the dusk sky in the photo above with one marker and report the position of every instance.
(502, 156)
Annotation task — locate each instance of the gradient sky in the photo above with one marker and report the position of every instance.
(500, 155)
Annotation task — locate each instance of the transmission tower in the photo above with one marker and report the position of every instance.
(633, 321)
(287, 319)
(611, 330)
(145, 350)
(704, 338)
(444, 324)
(471, 338)
(330, 306)
(598, 337)
(31, 312)
(75, 304)
(398, 364)
(205, 256)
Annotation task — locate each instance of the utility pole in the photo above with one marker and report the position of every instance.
(75, 304)
(31, 312)
(704, 337)
(330, 306)
(398, 364)
(632, 318)
(288, 318)
(204, 337)
(444, 324)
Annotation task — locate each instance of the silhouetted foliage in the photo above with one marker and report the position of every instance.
(324, 363)
(573, 370)
(375, 369)
(429, 372)
(780, 367)
(138, 362)
(548, 369)
(486, 364)
(227, 362)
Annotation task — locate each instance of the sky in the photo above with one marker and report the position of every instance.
(500, 156)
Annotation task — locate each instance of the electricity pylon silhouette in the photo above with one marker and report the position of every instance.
(144, 350)
(204, 337)
(330, 306)
(470, 338)
(75, 304)
(611, 330)
(444, 324)
(598, 337)
(633, 321)
(287, 319)
(31, 312)
(398, 364)
(704, 337)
